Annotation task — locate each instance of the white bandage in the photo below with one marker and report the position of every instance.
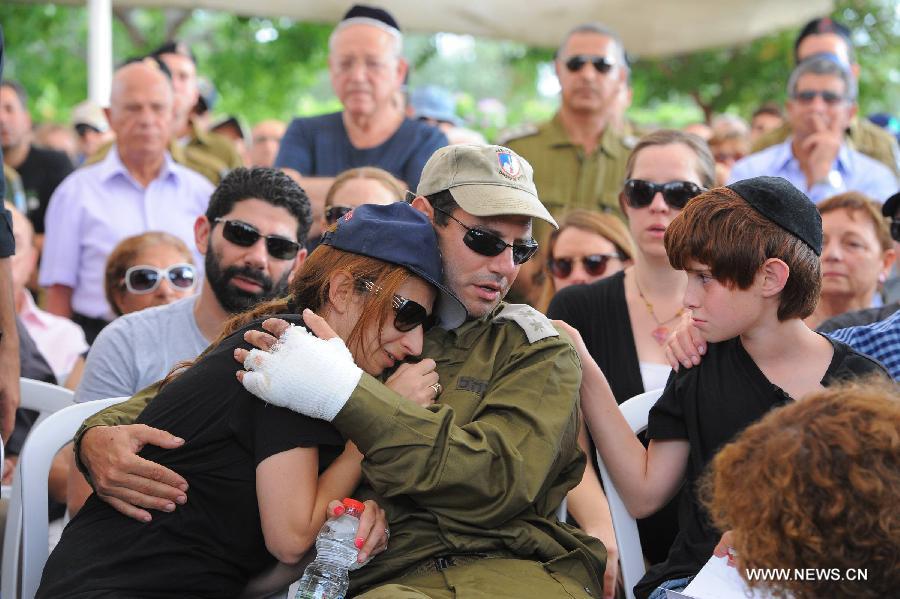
(303, 373)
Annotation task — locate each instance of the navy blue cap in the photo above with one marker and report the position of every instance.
(785, 205)
(399, 234)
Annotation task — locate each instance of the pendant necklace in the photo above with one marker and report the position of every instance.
(661, 332)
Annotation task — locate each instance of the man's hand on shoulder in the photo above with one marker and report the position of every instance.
(127, 481)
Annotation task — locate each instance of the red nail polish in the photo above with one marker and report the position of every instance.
(359, 543)
(339, 510)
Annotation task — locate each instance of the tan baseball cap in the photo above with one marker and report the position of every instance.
(484, 181)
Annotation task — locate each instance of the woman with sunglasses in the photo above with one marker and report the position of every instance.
(355, 187)
(260, 476)
(587, 247)
(151, 269)
(626, 318)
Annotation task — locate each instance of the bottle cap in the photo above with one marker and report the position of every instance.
(354, 505)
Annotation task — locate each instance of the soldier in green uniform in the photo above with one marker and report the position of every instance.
(579, 155)
(826, 36)
(471, 484)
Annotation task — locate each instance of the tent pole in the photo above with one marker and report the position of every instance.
(99, 50)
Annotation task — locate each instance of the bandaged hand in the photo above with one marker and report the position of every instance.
(303, 373)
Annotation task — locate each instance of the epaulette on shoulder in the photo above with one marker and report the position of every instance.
(535, 325)
(517, 132)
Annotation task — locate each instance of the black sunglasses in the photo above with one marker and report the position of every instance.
(594, 265)
(245, 235)
(334, 213)
(488, 244)
(143, 279)
(808, 97)
(601, 63)
(895, 229)
(639, 193)
(408, 314)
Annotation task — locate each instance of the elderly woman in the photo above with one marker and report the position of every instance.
(857, 255)
(146, 270)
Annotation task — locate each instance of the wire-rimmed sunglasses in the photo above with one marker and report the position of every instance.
(594, 265)
(141, 279)
(488, 244)
(244, 234)
(601, 64)
(639, 193)
(895, 229)
(408, 314)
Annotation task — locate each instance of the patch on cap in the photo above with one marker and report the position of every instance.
(509, 164)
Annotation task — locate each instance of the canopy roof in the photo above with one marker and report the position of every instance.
(648, 27)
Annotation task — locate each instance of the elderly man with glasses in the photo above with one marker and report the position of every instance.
(367, 71)
(817, 159)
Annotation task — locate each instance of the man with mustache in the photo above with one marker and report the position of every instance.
(578, 155)
(251, 237)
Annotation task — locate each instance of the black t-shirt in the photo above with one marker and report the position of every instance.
(42, 171)
(709, 405)
(211, 546)
(600, 313)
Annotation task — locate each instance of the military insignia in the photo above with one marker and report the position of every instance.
(348, 216)
(535, 325)
(509, 164)
(467, 383)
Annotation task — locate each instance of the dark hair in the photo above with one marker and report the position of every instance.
(768, 108)
(816, 483)
(266, 184)
(20, 91)
(719, 229)
(173, 47)
(443, 204)
(150, 61)
(824, 25)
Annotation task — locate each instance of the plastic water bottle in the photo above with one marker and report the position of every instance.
(326, 577)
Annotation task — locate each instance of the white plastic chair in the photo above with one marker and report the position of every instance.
(28, 503)
(631, 556)
(44, 398)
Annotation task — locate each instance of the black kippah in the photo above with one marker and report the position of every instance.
(784, 205)
(362, 11)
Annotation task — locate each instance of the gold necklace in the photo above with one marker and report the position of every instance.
(661, 332)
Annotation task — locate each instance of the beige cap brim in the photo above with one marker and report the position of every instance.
(496, 200)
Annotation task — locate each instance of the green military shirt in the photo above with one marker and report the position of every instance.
(862, 135)
(484, 469)
(566, 177)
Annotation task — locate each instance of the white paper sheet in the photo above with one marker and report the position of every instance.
(718, 580)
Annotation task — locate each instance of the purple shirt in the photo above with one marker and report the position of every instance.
(857, 172)
(97, 206)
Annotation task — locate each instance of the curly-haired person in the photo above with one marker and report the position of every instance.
(816, 484)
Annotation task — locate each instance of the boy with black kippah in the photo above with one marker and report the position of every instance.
(751, 252)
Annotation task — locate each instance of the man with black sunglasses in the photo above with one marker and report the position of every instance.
(579, 155)
(817, 158)
(472, 483)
